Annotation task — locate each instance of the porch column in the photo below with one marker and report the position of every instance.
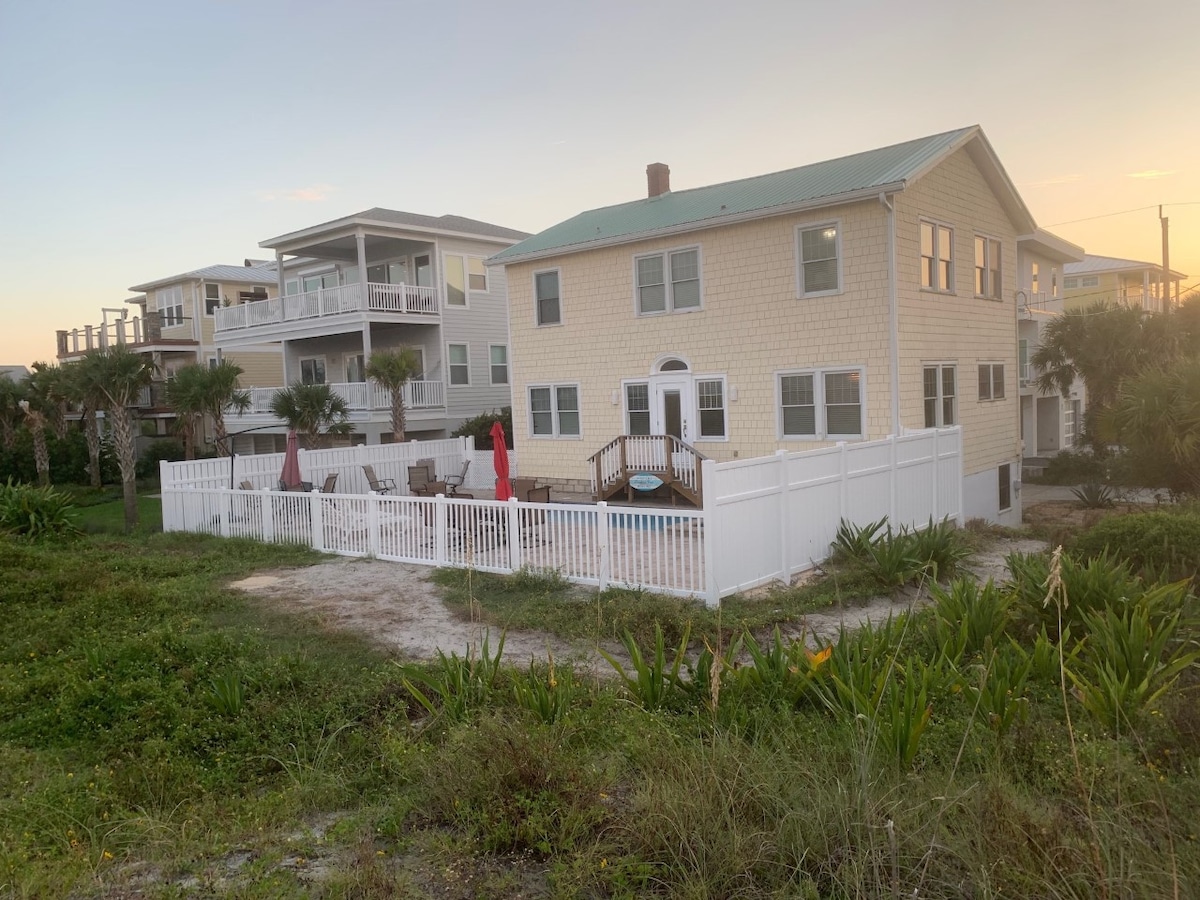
(279, 289)
(1145, 287)
(287, 375)
(360, 243)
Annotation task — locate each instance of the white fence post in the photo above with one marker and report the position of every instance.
(439, 530)
(268, 514)
(785, 568)
(844, 485)
(602, 539)
(317, 518)
(712, 594)
(373, 535)
(893, 476)
(514, 534)
(226, 507)
(937, 471)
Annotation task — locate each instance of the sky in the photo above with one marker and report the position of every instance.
(143, 139)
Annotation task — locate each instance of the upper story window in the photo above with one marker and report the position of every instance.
(320, 281)
(456, 280)
(987, 268)
(937, 257)
(1033, 281)
(212, 297)
(819, 255)
(459, 363)
(1070, 283)
(477, 275)
(820, 404)
(991, 381)
(356, 369)
(169, 302)
(554, 410)
(1054, 282)
(548, 298)
(941, 395)
(668, 282)
(291, 286)
(498, 358)
(1089, 281)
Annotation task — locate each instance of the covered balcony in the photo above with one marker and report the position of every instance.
(401, 300)
(367, 402)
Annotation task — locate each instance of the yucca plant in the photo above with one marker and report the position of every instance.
(781, 671)
(1094, 495)
(459, 683)
(226, 694)
(852, 542)
(652, 681)
(968, 617)
(1094, 584)
(940, 547)
(999, 686)
(546, 691)
(892, 559)
(35, 512)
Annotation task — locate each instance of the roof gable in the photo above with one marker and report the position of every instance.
(1094, 265)
(819, 184)
(379, 215)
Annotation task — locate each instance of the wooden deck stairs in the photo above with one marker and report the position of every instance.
(649, 468)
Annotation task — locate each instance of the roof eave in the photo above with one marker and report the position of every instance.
(352, 222)
(1052, 246)
(855, 196)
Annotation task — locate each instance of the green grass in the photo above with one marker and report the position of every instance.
(164, 736)
(108, 517)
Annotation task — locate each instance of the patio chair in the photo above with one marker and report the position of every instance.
(330, 482)
(302, 487)
(245, 486)
(454, 482)
(418, 476)
(379, 485)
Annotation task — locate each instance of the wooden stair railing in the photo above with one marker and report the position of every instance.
(677, 464)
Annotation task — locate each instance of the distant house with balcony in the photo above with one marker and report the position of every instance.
(1049, 421)
(382, 279)
(171, 321)
(1128, 282)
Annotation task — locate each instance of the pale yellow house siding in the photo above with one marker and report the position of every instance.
(959, 327)
(259, 369)
(751, 326)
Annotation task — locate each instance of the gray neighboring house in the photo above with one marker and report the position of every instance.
(374, 280)
(14, 373)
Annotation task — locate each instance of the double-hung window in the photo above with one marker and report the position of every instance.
(668, 282)
(637, 408)
(498, 359)
(937, 257)
(212, 297)
(458, 363)
(818, 251)
(991, 381)
(170, 305)
(554, 410)
(941, 395)
(548, 298)
(821, 404)
(987, 268)
(456, 279)
(710, 396)
(477, 276)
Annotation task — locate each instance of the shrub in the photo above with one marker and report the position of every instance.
(168, 449)
(968, 618)
(1160, 545)
(1073, 468)
(35, 512)
(1094, 495)
(68, 459)
(480, 428)
(1093, 584)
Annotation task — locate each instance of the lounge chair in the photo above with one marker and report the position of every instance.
(379, 485)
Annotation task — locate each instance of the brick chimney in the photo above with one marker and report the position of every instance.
(658, 179)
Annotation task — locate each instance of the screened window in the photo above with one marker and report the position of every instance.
(991, 381)
(1089, 281)
(477, 279)
(637, 409)
(456, 281)
(1005, 486)
(459, 364)
(798, 402)
(498, 354)
(937, 257)
(312, 370)
(843, 404)
(987, 268)
(554, 410)
(941, 396)
(549, 303)
(212, 298)
(819, 263)
(710, 396)
(668, 282)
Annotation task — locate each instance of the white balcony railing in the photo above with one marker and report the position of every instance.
(363, 395)
(408, 299)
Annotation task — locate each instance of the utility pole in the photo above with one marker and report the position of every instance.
(1166, 261)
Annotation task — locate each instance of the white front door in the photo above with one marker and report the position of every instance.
(671, 406)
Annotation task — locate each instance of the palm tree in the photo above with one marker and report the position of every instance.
(312, 409)
(82, 393)
(52, 385)
(222, 393)
(185, 395)
(38, 407)
(394, 369)
(118, 375)
(10, 411)
(1157, 414)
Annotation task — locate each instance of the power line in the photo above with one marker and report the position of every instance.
(1125, 212)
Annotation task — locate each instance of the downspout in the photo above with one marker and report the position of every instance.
(893, 313)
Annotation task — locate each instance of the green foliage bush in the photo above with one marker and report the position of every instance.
(164, 448)
(68, 459)
(35, 512)
(898, 557)
(1164, 544)
(1074, 467)
(480, 428)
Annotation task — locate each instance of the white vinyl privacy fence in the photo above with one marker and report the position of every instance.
(763, 519)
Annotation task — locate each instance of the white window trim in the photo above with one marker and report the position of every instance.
(821, 426)
(300, 361)
(487, 275)
(553, 387)
(995, 294)
(449, 382)
(561, 317)
(667, 284)
(176, 292)
(491, 365)
(204, 298)
(466, 304)
(941, 364)
(991, 364)
(924, 220)
(347, 359)
(625, 383)
(813, 226)
(696, 379)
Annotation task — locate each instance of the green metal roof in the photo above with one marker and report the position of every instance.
(829, 180)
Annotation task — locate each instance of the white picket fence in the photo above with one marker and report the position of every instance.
(763, 520)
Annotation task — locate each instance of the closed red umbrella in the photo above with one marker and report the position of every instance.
(500, 462)
(291, 463)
